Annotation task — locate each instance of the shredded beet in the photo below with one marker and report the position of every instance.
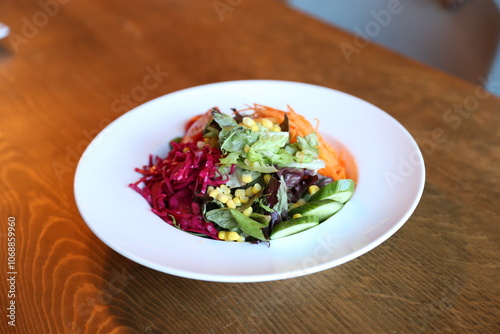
(172, 185)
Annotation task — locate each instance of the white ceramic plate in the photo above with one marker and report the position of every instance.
(390, 180)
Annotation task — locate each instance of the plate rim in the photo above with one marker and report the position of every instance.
(239, 278)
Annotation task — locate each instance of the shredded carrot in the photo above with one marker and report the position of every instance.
(300, 126)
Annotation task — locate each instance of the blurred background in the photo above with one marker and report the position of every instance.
(460, 37)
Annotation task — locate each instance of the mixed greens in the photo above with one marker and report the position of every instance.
(245, 177)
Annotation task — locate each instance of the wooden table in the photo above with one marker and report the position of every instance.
(70, 67)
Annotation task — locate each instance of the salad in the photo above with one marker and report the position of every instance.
(254, 175)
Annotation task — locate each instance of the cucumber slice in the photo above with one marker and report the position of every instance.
(340, 191)
(323, 209)
(292, 226)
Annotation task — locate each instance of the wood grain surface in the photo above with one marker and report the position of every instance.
(70, 67)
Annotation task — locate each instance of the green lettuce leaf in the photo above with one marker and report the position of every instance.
(223, 218)
(248, 225)
(282, 196)
(233, 220)
(307, 148)
(259, 151)
(224, 120)
(269, 143)
(282, 157)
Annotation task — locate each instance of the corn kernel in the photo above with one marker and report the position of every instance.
(301, 202)
(214, 193)
(249, 192)
(223, 198)
(313, 189)
(210, 189)
(298, 203)
(267, 123)
(232, 236)
(248, 122)
(185, 149)
(297, 215)
(247, 162)
(221, 235)
(236, 201)
(239, 192)
(200, 145)
(267, 178)
(276, 128)
(230, 204)
(241, 238)
(225, 189)
(248, 211)
(244, 199)
(256, 188)
(246, 148)
(255, 128)
(246, 178)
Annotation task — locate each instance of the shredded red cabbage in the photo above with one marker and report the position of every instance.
(171, 185)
